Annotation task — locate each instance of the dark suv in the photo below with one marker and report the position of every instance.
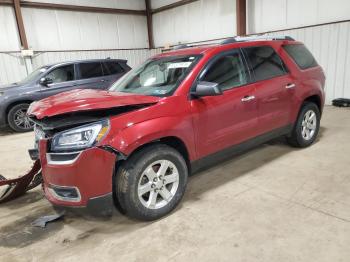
(136, 143)
(52, 79)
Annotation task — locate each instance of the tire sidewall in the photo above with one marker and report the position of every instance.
(132, 204)
(10, 118)
(306, 107)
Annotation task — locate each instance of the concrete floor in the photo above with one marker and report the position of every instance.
(274, 203)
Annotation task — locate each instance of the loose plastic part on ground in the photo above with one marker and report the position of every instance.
(13, 188)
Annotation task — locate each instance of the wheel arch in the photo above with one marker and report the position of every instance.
(314, 99)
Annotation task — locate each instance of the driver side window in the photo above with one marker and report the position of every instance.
(62, 74)
(228, 71)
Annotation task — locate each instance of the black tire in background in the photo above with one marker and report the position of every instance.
(297, 139)
(14, 116)
(133, 170)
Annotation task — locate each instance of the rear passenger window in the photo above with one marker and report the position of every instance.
(265, 62)
(89, 70)
(112, 68)
(301, 56)
(228, 71)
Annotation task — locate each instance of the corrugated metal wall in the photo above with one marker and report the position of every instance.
(134, 57)
(270, 15)
(330, 45)
(200, 20)
(12, 67)
(49, 30)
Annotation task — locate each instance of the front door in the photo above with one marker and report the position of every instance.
(63, 79)
(228, 119)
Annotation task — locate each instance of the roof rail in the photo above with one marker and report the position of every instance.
(254, 38)
(182, 46)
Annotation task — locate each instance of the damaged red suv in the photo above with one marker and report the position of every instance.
(134, 145)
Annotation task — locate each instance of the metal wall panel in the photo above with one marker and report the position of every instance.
(12, 68)
(9, 38)
(122, 4)
(330, 44)
(159, 3)
(200, 20)
(134, 57)
(49, 30)
(269, 15)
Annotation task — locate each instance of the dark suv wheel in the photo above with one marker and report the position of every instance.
(18, 120)
(307, 126)
(152, 182)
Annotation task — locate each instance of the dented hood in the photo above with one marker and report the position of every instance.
(85, 100)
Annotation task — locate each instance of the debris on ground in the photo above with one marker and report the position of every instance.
(13, 188)
(42, 221)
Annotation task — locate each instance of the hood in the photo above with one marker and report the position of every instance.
(80, 100)
(4, 88)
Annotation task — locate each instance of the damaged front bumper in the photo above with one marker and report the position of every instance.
(79, 179)
(13, 188)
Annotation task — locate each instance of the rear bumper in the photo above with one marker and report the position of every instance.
(85, 181)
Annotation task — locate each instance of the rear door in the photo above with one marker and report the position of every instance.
(274, 87)
(228, 119)
(63, 79)
(112, 71)
(90, 75)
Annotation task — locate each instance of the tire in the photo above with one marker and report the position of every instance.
(140, 173)
(299, 137)
(17, 119)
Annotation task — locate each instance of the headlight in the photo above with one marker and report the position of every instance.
(81, 137)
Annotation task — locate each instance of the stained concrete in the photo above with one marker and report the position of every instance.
(273, 203)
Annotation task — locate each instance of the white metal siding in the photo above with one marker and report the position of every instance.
(134, 57)
(200, 20)
(9, 38)
(330, 44)
(12, 68)
(50, 30)
(269, 15)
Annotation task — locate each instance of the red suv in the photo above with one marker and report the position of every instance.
(135, 144)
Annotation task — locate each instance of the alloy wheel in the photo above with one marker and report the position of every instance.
(21, 119)
(309, 125)
(158, 184)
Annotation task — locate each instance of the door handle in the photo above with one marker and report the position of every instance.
(290, 85)
(247, 98)
(103, 80)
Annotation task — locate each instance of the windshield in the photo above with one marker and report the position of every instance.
(156, 77)
(33, 75)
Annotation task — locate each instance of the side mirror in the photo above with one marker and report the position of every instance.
(207, 89)
(45, 81)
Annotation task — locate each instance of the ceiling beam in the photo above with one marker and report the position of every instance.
(20, 24)
(149, 24)
(171, 6)
(241, 11)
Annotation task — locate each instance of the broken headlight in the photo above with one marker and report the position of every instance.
(80, 137)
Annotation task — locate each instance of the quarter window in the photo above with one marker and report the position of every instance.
(90, 70)
(62, 74)
(228, 71)
(265, 62)
(301, 55)
(112, 68)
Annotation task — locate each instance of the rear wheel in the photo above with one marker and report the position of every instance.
(307, 126)
(152, 182)
(18, 119)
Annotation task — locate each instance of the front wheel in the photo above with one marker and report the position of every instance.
(152, 182)
(18, 120)
(307, 126)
